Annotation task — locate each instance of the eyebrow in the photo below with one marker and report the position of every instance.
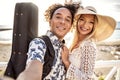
(84, 17)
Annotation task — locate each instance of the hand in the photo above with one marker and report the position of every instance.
(65, 56)
(65, 53)
(33, 71)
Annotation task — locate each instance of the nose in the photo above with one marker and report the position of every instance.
(62, 21)
(85, 24)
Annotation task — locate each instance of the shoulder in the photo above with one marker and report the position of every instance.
(37, 42)
(88, 43)
(89, 46)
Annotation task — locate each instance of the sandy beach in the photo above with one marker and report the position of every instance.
(5, 51)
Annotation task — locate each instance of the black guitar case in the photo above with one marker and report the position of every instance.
(25, 28)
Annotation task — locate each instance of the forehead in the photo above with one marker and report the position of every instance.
(88, 15)
(63, 11)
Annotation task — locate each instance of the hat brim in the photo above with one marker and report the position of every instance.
(105, 26)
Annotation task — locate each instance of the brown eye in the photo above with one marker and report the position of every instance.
(81, 19)
(58, 17)
(92, 22)
(68, 20)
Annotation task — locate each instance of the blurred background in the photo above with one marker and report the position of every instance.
(108, 49)
(106, 7)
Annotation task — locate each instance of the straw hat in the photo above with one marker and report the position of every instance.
(105, 25)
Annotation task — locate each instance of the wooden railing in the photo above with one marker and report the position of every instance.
(115, 64)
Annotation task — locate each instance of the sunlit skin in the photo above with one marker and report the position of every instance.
(61, 22)
(85, 24)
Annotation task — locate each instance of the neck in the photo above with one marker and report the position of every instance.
(81, 38)
(60, 39)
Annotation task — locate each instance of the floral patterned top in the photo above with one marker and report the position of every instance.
(37, 51)
(82, 61)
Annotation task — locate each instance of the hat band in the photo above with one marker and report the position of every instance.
(92, 10)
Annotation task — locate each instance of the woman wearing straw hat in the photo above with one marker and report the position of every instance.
(90, 27)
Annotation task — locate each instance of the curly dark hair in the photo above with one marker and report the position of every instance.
(50, 11)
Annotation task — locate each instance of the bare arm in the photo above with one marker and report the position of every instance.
(33, 71)
(35, 61)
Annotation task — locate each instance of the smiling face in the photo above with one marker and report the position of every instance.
(61, 22)
(86, 24)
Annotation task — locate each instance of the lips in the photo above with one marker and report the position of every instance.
(60, 28)
(83, 29)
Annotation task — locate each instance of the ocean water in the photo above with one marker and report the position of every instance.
(6, 35)
(116, 33)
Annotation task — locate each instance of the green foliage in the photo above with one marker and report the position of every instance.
(101, 78)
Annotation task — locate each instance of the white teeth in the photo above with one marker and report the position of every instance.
(61, 28)
(84, 29)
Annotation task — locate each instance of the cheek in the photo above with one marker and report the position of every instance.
(91, 28)
(69, 26)
(51, 24)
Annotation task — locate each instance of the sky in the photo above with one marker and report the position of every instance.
(106, 7)
(7, 11)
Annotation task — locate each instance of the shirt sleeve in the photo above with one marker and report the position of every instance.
(36, 51)
(85, 71)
